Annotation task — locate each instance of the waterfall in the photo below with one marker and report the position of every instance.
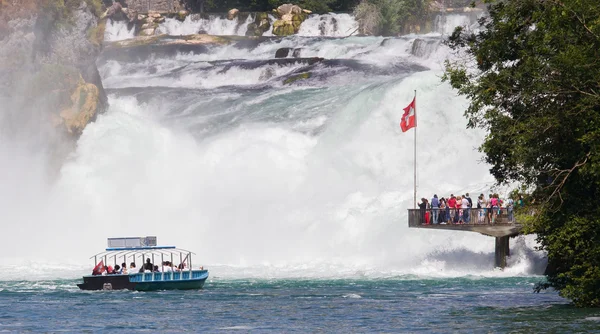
(233, 155)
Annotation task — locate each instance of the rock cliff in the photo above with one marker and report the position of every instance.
(48, 74)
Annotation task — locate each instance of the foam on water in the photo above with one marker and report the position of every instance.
(210, 78)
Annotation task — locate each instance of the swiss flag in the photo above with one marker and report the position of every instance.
(409, 119)
(98, 268)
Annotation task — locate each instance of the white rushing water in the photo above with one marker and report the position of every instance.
(259, 178)
(332, 24)
(118, 30)
(194, 24)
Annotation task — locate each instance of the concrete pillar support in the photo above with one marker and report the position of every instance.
(502, 251)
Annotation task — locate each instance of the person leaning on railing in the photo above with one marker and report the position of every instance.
(424, 214)
(481, 209)
(435, 205)
(443, 208)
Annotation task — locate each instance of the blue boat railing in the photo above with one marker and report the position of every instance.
(167, 276)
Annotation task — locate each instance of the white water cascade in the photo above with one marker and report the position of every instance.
(214, 153)
(332, 24)
(194, 24)
(117, 31)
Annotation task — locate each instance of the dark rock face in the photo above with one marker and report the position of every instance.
(282, 53)
(285, 52)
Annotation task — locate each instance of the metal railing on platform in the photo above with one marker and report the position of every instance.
(469, 216)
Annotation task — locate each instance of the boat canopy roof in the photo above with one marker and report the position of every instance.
(129, 251)
(133, 246)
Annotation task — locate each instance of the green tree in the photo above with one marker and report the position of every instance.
(533, 78)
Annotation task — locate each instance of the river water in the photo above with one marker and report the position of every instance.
(293, 195)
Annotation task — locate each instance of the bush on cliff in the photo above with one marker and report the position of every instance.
(533, 78)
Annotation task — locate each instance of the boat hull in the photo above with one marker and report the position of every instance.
(108, 282)
(147, 281)
(183, 285)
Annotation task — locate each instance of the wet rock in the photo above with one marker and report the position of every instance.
(147, 32)
(132, 15)
(297, 77)
(284, 29)
(232, 13)
(282, 53)
(288, 9)
(113, 11)
(83, 108)
(285, 52)
(260, 25)
(181, 15)
(290, 21)
(147, 26)
(153, 14)
(159, 6)
(144, 47)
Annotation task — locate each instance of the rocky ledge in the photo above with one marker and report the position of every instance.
(143, 47)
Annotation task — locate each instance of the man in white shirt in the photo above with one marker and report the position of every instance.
(465, 206)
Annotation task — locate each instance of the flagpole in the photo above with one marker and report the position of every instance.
(415, 151)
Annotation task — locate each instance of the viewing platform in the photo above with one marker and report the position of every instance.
(499, 227)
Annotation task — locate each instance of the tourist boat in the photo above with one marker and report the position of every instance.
(142, 250)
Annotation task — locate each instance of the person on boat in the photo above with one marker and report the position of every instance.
(168, 267)
(132, 268)
(124, 269)
(110, 270)
(117, 270)
(148, 265)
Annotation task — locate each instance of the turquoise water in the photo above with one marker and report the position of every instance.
(297, 305)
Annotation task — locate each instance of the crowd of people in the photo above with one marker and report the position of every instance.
(462, 210)
(148, 267)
